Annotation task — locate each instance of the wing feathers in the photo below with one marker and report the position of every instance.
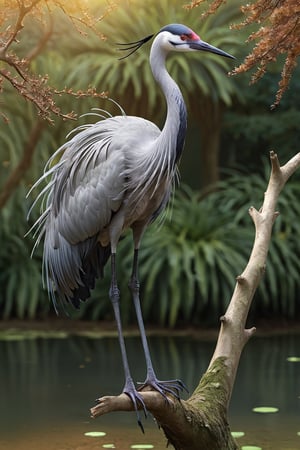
(85, 189)
(88, 186)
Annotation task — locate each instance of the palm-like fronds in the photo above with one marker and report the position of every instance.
(124, 81)
(189, 265)
(20, 277)
(279, 290)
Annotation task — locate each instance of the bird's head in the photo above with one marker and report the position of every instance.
(179, 38)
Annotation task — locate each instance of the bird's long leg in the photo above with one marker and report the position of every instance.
(129, 387)
(171, 386)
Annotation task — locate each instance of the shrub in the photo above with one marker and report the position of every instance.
(188, 263)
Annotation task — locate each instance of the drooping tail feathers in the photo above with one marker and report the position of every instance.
(70, 270)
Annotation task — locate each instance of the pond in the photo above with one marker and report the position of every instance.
(48, 385)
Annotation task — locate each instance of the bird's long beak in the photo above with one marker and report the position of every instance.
(204, 46)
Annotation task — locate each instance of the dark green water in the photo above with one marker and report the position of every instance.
(48, 385)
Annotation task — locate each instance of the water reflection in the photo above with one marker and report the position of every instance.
(54, 381)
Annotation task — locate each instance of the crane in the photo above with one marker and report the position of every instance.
(113, 175)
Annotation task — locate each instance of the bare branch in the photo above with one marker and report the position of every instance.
(201, 421)
(16, 70)
(290, 167)
(153, 401)
(233, 336)
(38, 93)
(23, 11)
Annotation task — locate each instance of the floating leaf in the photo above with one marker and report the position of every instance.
(108, 446)
(142, 446)
(250, 447)
(293, 359)
(237, 434)
(265, 409)
(95, 433)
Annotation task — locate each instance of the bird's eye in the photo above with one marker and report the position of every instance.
(184, 37)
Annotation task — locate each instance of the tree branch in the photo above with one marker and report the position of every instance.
(16, 69)
(233, 335)
(200, 423)
(23, 11)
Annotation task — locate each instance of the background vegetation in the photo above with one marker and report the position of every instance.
(189, 261)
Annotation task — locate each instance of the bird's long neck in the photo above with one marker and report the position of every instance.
(174, 130)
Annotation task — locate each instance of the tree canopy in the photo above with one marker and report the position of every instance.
(63, 45)
(278, 34)
(16, 69)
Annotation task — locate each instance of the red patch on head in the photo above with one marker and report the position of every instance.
(190, 37)
(194, 37)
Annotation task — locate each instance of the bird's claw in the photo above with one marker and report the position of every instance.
(137, 400)
(172, 387)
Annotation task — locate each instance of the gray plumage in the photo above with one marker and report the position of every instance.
(99, 188)
(112, 175)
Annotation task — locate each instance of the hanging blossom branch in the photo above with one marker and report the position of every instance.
(16, 70)
(278, 34)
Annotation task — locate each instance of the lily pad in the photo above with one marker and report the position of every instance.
(237, 434)
(95, 433)
(250, 447)
(265, 409)
(293, 359)
(142, 446)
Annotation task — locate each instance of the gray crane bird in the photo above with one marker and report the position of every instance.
(113, 175)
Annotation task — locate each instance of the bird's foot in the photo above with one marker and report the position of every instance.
(172, 387)
(137, 400)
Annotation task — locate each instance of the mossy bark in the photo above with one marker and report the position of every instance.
(203, 418)
(200, 423)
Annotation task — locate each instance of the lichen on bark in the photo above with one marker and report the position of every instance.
(201, 421)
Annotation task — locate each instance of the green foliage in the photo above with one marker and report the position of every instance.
(255, 128)
(20, 276)
(188, 264)
(206, 75)
(278, 293)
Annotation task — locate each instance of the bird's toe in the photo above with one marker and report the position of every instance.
(137, 400)
(172, 387)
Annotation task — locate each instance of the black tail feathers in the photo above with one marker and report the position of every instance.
(92, 268)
